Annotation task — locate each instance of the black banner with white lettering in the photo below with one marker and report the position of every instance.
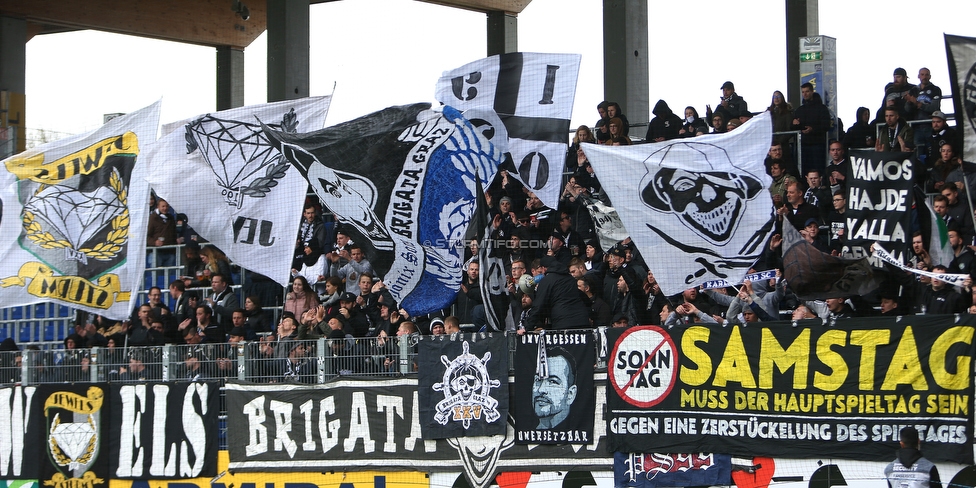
(794, 392)
(18, 452)
(879, 203)
(462, 382)
(554, 388)
(375, 424)
(164, 430)
(71, 424)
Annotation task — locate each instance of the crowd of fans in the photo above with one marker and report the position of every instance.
(559, 276)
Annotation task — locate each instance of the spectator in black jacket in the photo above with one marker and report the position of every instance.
(664, 126)
(557, 303)
(812, 119)
(693, 124)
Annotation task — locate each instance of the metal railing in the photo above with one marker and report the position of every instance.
(263, 361)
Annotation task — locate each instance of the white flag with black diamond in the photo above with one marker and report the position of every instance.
(234, 187)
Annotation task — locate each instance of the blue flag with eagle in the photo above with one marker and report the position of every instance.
(75, 216)
(403, 182)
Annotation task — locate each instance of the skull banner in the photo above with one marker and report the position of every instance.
(463, 385)
(702, 203)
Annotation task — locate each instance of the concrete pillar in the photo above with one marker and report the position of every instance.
(802, 20)
(230, 77)
(502, 33)
(625, 59)
(13, 81)
(288, 58)
(13, 54)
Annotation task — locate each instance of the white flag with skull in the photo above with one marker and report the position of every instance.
(698, 209)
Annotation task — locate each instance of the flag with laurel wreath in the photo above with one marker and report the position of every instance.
(235, 188)
(74, 218)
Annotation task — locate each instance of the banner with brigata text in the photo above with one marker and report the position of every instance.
(794, 392)
(375, 424)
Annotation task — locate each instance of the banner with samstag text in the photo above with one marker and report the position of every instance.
(879, 203)
(74, 218)
(235, 188)
(794, 391)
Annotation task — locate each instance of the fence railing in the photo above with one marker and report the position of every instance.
(263, 361)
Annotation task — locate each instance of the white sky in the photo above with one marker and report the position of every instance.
(379, 53)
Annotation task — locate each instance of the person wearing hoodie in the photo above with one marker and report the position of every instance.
(910, 468)
(693, 124)
(664, 126)
(558, 302)
(862, 134)
(812, 119)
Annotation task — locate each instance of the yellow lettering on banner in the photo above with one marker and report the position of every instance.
(88, 480)
(282, 479)
(959, 379)
(797, 356)
(832, 359)
(88, 404)
(868, 340)
(83, 162)
(905, 367)
(695, 355)
(72, 289)
(734, 366)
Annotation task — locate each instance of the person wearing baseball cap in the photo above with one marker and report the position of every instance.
(941, 135)
(897, 94)
(730, 106)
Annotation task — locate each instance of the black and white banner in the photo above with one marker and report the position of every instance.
(879, 203)
(82, 435)
(701, 202)
(238, 192)
(402, 180)
(462, 381)
(554, 388)
(164, 430)
(375, 425)
(950, 278)
(533, 93)
(961, 52)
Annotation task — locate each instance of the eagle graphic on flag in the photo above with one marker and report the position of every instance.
(404, 181)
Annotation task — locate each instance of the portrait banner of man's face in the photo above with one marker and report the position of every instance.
(554, 401)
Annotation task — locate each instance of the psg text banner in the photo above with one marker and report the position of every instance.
(794, 391)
